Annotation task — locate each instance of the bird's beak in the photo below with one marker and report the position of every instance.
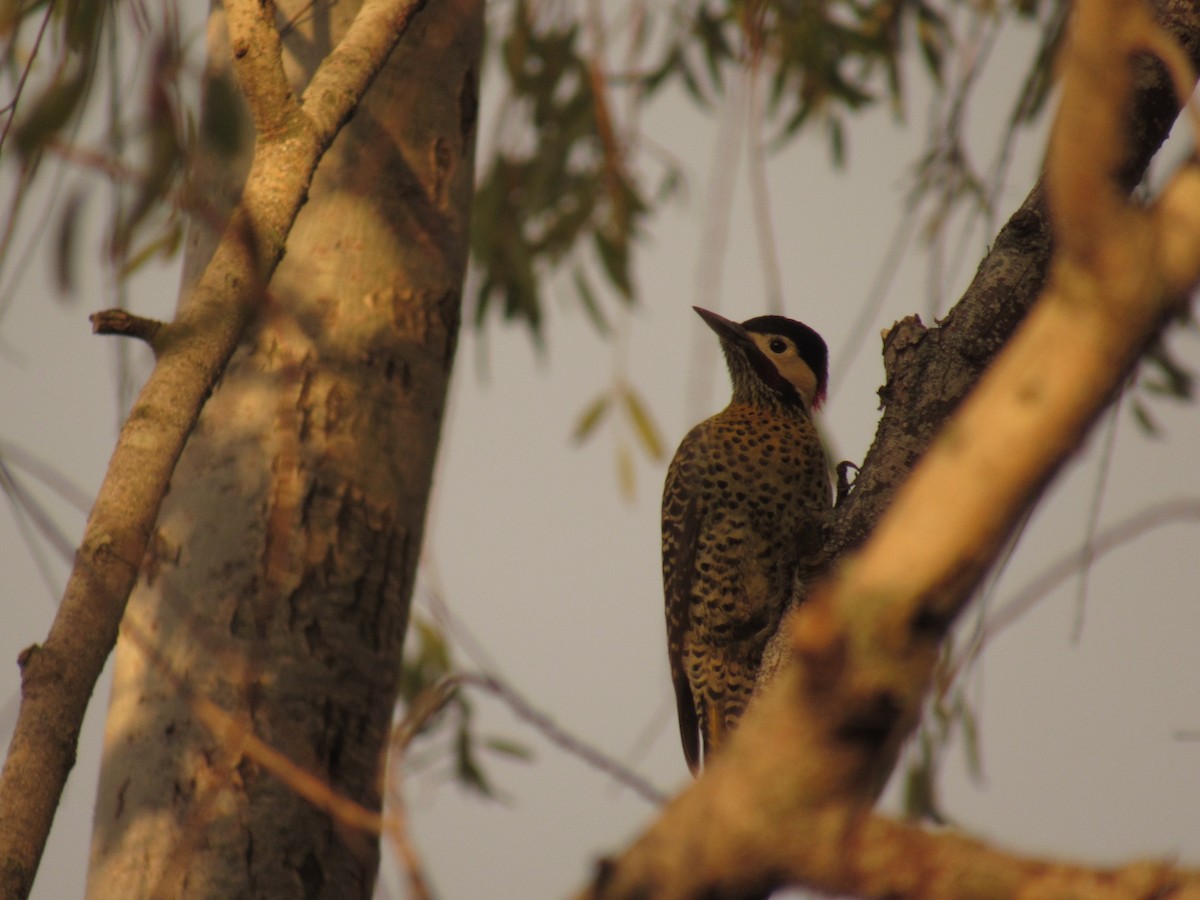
(726, 329)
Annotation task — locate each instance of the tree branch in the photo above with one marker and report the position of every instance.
(332, 95)
(58, 676)
(845, 853)
(784, 799)
(930, 370)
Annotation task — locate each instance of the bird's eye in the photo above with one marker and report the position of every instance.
(777, 345)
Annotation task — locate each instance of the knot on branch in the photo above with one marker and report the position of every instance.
(899, 341)
(126, 324)
(820, 643)
(872, 721)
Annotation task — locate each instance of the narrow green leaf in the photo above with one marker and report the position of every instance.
(971, 746)
(710, 29)
(50, 112)
(794, 123)
(655, 78)
(672, 183)
(1145, 420)
(222, 121)
(918, 791)
(837, 142)
(920, 783)
(66, 243)
(1175, 379)
(930, 38)
(643, 423)
(626, 475)
(691, 85)
(614, 256)
(83, 23)
(506, 747)
(590, 306)
(433, 647)
(466, 768)
(591, 417)
(165, 244)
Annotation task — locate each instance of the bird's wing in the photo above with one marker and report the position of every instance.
(682, 517)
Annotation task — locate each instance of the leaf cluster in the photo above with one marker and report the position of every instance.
(571, 193)
(68, 62)
(822, 59)
(77, 26)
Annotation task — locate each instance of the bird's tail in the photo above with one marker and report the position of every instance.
(719, 719)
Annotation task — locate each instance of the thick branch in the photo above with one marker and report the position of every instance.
(848, 854)
(58, 675)
(929, 371)
(861, 650)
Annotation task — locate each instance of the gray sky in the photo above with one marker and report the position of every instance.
(550, 570)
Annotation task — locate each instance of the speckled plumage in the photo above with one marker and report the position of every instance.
(744, 502)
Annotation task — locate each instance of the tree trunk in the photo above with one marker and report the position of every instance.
(279, 580)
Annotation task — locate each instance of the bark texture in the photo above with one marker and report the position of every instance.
(280, 572)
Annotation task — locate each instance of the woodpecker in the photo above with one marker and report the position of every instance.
(743, 507)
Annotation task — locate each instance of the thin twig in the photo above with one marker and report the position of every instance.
(560, 737)
(714, 244)
(519, 705)
(401, 842)
(11, 106)
(1041, 585)
(1087, 553)
(868, 311)
(67, 489)
(760, 192)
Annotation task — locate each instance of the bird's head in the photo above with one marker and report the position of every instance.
(772, 357)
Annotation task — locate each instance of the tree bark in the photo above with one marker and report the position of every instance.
(278, 580)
